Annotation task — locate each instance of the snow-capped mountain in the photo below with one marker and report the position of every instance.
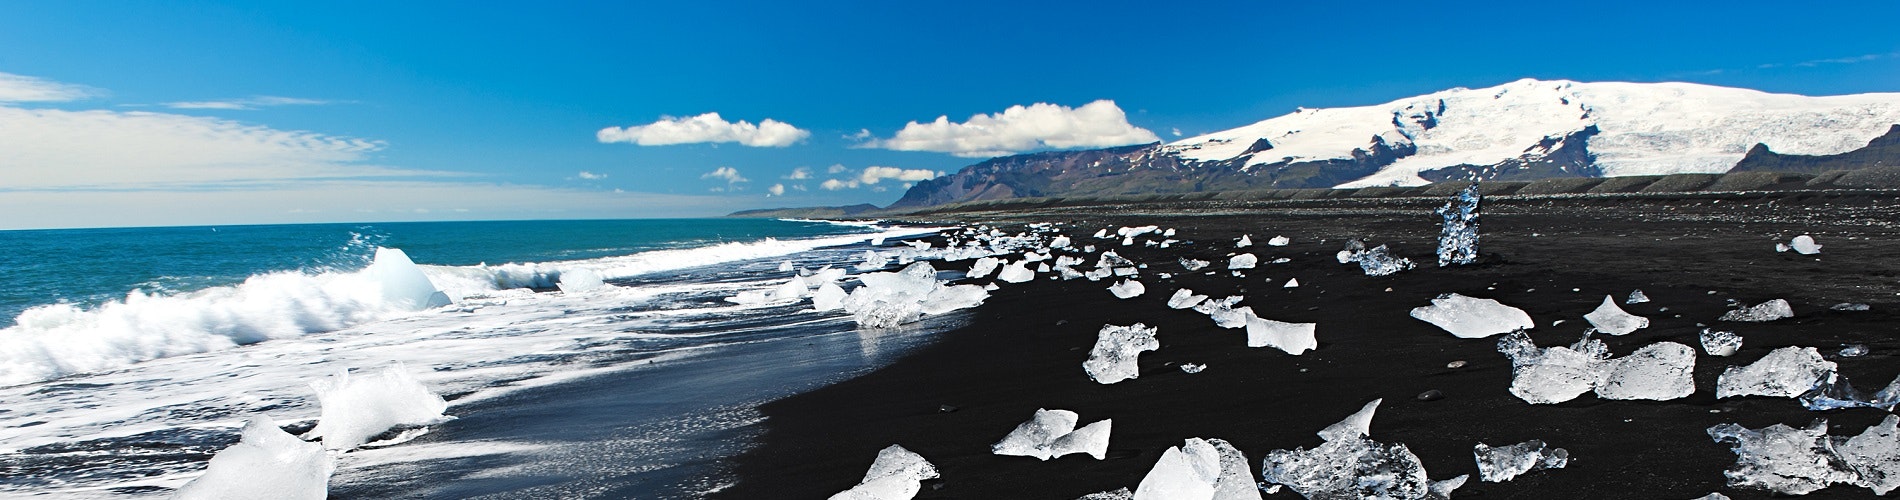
(1522, 130)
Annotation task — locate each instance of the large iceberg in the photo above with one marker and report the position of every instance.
(1199, 469)
(1458, 239)
(1610, 319)
(1766, 311)
(1500, 464)
(265, 463)
(1292, 338)
(1793, 461)
(357, 407)
(1473, 318)
(1350, 465)
(1114, 357)
(1660, 371)
(1786, 372)
(896, 474)
(402, 282)
(1052, 433)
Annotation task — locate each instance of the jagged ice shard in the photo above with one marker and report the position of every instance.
(1473, 318)
(1660, 371)
(1350, 465)
(1834, 392)
(357, 407)
(889, 299)
(1500, 464)
(1378, 261)
(1766, 311)
(1458, 241)
(1199, 469)
(403, 282)
(1720, 343)
(1114, 357)
(1052, 433)
(1786, 372)
(1608, 318)
(1127, 289)
(1184, 298)
(1291, 338)
(1793, 461)
(896, 474)
(265, 463)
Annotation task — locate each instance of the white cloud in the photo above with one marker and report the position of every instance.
(706, 128)
(800, 173)
(871, 175)
(1175, 131)
(1021, 128)
(592, 176)
(775, 190)
(798, 187)
(835, 184)
(19, 88)
(728, 174)
(245, 103)
(835, 168)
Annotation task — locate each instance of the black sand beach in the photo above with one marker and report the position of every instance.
(1556, 258)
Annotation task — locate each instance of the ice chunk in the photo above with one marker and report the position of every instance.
(1636, 297)
(1766, 311)
(1834, 392)
(1556, 374)
(1091, 439)
(1060, 242)
(1199, 469)
(896, 474)
(1782, 459)
(1608, 318)
(1804, 245)
(1471, 317)
(1853, 350)
(1110, 259)
(1458, 238)
(888, 299)
(1193, 265)
(1192, 368)
(983, 267)
(1114, 357)
(1126, 271)
(1354, 248)
(1293, 338)
(1786, 372)
(1036, 437)
(1379, 261)
(265, 463)
(1126, 289)
(1244, 242)
(1279, 241)
(1043, 267)
(1850, 306)
(1350, 465)
(1356, 425)
(828, 297)
(873, 261)
(1101, 234)
(790, 290)
(357, 407)
(1661, 371)
(1291, 283)
(826, 275)
(1120, 494)
(1874, 456)
(1185, 298)
(581, 279)
(1098, 274)
(1232, 317)
(786, 267)
(944, 299)
(1720, 343)
(402, 282)
(1242, 261)
(1497, 465)
(918, 245)
(1015, 272)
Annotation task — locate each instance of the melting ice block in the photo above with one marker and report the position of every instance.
(1804, 245)
(1471, 317)
(1795, 461)
(1379, 261)
(1279, 241)
(1291, 283)
(1786, 372)
(1766, 311)
(1036, 437)
(1720, 343)
(1242, 261)
(1126, 289)
(1184, 298)
(888, 299)
(828, 297)
(1245, 241)
(896, 474)
(581, 279)
(1660, 371)
(873, 261)
(402, 282)
(1114, 357)
(1608, 318)
(265, 463)
(1292, 338)
(1351, 465)
(983, 267)
(1193, 265)
(1636, 297)
(1496, 465)
(1060, 242)
(357, 407)
(1458, 239)
(1834, 392)
(1015, 272)
(1199, 469)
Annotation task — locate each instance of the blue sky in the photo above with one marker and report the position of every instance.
(162, 113)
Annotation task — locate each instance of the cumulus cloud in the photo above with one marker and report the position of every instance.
(835, 169)
(728, 174)
(592, 176)
(1021, 128)
(872, 174)
(775, 190)
(800, 173)
(246, 103)
(706, 128)
(19, 88)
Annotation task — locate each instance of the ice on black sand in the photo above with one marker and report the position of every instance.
(1378, 261)
(1291, 338)
(1766, 311)
(896, 474)
(1660, 371)
(1496, 465)
(1793, 461)
(1802, 244)
(1720, 343)
(1242, 261)
(1052, 433)
(889, 299)
(1114, 357)
(1349, 464)
(1185, 298)
(1608, 318)
(357, 407)
(1199, 469)
(1458, 239)
(265, 463)
(1471, 317)
(1127, 289)
(1786, 372)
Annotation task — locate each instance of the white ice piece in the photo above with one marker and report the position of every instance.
(1184, 298)
(1804, 245)
(402, 282)
(1043, 267)
(1661, 371)
(1786, 372)
(357, 407)
(896, 474)
(1244, 242)
(1292, 338)
(1291, 283)
(1199, 469)
(1720, 343)
(1636, 297)
(1193, 264)
(1766, 311)
(1473, 318)
(1060, 242)
(889, 299)
(1793, 461)
(1101, 234)
(1350, 465)
(791, 289)
(1015, 272)
(982, 267)
(873, 261)
(265, 463)
(786, 267)
(828, 297)
(581, 279)
(1091, 439)
(1242, 261)
(1279, 241)
(1127, 289)
(1608, 318)
(1192, 368)
(1114, 357)
(1500, 464)
(1380, 261)
(1037, 436)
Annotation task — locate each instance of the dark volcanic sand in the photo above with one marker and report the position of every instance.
(1025, 345)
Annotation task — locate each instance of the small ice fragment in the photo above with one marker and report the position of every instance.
(357, 407)
(1281, 260)
(1804, 245)
(1101, 234)
(1192, 264)
(1060, 242)
(1015, 272)
(982, 267)
(1237, 317)
(1661, 371)
(1853, 350)
(1781, 247)
(1128, 241)
(1356, 425)
(1496, 465)
(1242, 261)
(1184, 298)
(1114, 357)
(1712, 496)
(828, 297)
(1786, 372)
(918, 245)
(1291, 283)
(1192, 368)
(1849, 306)
(1352, 251)
(896, 474)
(786, 267)
(1766, 311)
(1127, 289)
(1292, 338)
(1471, 317)
(1168, 233)
(1458, 239)
(1042, 268)
(873, 261)
(1279, 241)
(877, 242)
(581, 279)
(265, 463)
(1121, 494)
(992, 286)
(1720, 343)
(1036, 437)
(1610, 319)
(1244, 242)
(1126, 271)
(1379, 261)
(1091, 439)
(1636, 297)
(791, 289)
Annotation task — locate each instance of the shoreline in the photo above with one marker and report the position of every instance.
(1023, 348)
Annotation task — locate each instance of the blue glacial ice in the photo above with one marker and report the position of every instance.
(1117, 349)
(1458, 239)
(1350, 465)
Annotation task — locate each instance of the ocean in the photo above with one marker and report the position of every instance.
(130, 356)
